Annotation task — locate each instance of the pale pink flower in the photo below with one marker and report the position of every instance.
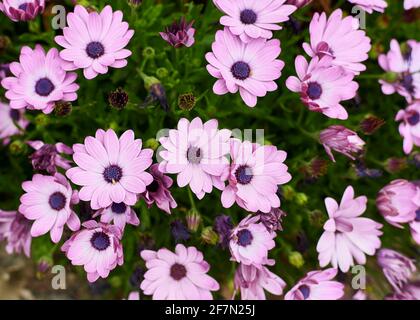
(398, 202)
(134, 295)
(250, 68)
(317, 285)
(371, 5)
(415, 228)
(97, 247)
(299, 3)
(254, 19)
(342, 140)
(250, 242)
(177, 276)
(197, 153)
(22, 10)
(410, 4)
(95, 41)
(252, 282)
(339, 38)
(410, 126)
(322, 86)
(15, 229)
(8, 118)
(254, 175)
(48, 200)
(158, 191)
(406, 68)
(347, 236)
(49, 156)
(118, 213)
(38, 80)
(111, 169)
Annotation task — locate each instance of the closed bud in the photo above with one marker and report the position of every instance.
(390, 77)
(301, 198)
(296, 259)
(209, 236)
(186, 101)
(395, 165)
(288, 192)
(149, 53)
(4, 43)
(162, 73)
(135, 3)
(317, 218)
(62, 108)
(193, 220)
(44, 264)
(151, 144)
(17, 147)
(41, 120)
(118, 99)
(371, 124)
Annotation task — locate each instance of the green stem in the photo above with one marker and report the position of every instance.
(190, 196)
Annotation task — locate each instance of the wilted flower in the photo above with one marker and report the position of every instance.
(342, 140)
(223, 226)
(15, 229)
(365, 172)
(410, 126)
(179, 34)
(118, 213)
(370, 5)
(156, 94)
(371, 124)
(396, 267)
(186, 101)
(272, 220)
(22, 10)
(118, 99)
(8, 119)
(179, 231)
(47, 156)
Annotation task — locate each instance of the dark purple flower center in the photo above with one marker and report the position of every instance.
(57, 201)
(305, 290)
(194, 155)
(414, 118)
(178, 271)
(407, 82)
(240, 70)
(248, 16)
(243, 174)
(15, 115)
(95, 49)
(314, 90)
(244, 237)
(153, 187)
(23, 6)
(112, 174)
(418, 215)
(44, 87)
(118, 208)
(100, 241)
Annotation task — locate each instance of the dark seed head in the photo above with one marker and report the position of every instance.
(243, 174)
(62, 108)
(95, 49)
(118, 99)
(194, 155)
(305, 290)
(57, 201)
(112, 174)
(248, 16)
(244, 237)
(414, 118)
(118, 208)
(44, 87)
(178, 271)
(240, 70)
(15, 115)
(314, 90)
(186, 101)
(100, 241)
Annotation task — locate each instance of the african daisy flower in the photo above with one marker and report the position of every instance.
(410, 126)
(97, 247)
(22, 10)
(111, 169)
(323, 86)
(179, 34)
(15, 229)
(410, 4)
(317, 285)
(252, 282)
(38, 80)
(404, 66)
(48, 200)
(254, 19)
(177, 276)
(49, 156)
(339, 38)
(118, 213)
(95, 41)
(371, 5)
(197, 153)
(8, 118)
(250, 242)
(347, 236)
(398, 202)
(249, 67)
(253, 176)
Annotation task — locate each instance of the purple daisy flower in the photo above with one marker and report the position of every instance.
(118, 213)
(16, 230)
(370, 5)
(22, 10)
(179, 34)
(47, 156)
(8, 118)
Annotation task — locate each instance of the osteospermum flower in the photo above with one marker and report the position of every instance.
(398, 202)
(415, 227)
(342, 140)
(396, 267)
(179, 34)
(322, 86)
(371, 5)
(197, 153)
(339, 38)
(158, 191)
(252, 282)
(15, 229)
(177, 276)
(118, 213)
(38, 80)
(22, 10)
(48, 201)
(95, 41)
(410, 4)
(8, 118)
(410, 126)
(111, 169)
(254, 175)
(317, 285)
(347, 236)
(254, 19)
(97, 247)
(250, 242)
(249, 68)
(48, 156)
(403, 67)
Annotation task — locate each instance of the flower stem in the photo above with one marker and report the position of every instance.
(191, 197)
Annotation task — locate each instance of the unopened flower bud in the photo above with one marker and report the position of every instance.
(288, 193)
(151, 144)
(209, 236)
(395, 165)
(301, 198)
(162, 73)
(296, 259)
(41, 120)
(390, 77)
(149, 53)
(193, 220)
(371, 124)
(17, 147)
